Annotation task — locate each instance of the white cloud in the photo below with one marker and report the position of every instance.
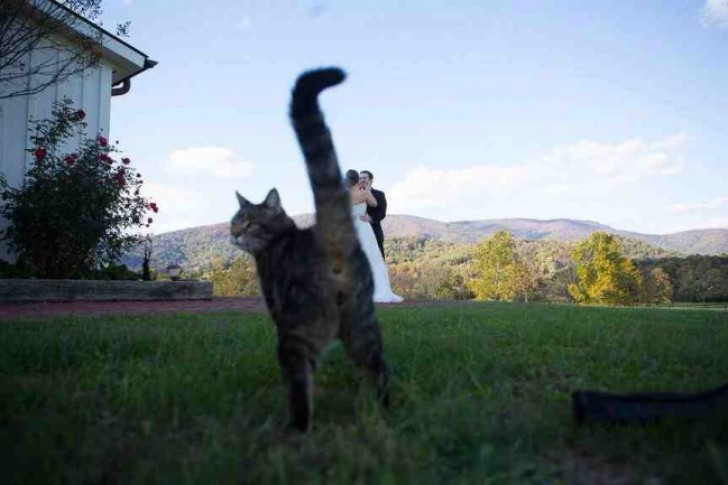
(627, 161)
(178, 207)
(715, 13)
(209, 160)
(713, 223)
(425, 187)
(581, 172)
(674, 141)
(716, 204)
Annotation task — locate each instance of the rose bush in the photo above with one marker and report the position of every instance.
(77, 211)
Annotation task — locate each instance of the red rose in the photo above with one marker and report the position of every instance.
(154, 207)
(40, 153)
(119, 177)
(105, 158)
(136, 192)
(70, 160)
(125, 161)
(103, 141)
(150, 220)
(80, 114)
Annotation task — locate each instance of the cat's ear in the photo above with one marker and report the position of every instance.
(273, 200)
(242, 200)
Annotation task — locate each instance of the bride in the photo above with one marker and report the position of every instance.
(360, 198)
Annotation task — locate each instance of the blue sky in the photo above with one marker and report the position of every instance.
(611, 111)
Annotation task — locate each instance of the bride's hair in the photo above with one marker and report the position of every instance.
(351, 178)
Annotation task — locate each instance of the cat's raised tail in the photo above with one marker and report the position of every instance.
(331, 198)
(309, 85)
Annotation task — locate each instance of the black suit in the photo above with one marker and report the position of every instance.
(377, 214)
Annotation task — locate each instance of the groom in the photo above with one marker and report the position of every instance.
(374, 214)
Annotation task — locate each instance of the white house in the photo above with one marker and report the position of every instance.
(91, 91)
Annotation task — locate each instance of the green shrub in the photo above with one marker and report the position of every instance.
(19, 269)
(76, 211)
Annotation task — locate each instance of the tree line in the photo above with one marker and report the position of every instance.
(602, 269)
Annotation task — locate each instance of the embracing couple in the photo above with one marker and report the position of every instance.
(368, 208)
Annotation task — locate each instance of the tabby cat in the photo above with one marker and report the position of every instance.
(316, 282)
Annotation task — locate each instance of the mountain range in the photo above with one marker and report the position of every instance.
(197, 246)
(700, 241)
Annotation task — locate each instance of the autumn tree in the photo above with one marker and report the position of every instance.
(44, 42)
(237, 278)
(521, 280)
(657, 287)
(604, 275)
(695, 278)
(492, 267)
(538, 262)
(558, 271)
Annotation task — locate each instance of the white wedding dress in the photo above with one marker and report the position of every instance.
(382, 290)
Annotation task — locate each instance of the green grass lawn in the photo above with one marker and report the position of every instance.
(481, 393)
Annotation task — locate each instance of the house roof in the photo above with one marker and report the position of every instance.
(127, 60)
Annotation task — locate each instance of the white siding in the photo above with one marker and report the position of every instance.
(13, 138)
(90, 92)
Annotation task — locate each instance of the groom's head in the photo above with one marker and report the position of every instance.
(366, 178)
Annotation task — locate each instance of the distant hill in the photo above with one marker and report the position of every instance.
(474, 231)
(197, 246)
(701, 241)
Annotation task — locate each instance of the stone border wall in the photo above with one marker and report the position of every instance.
(100, 290)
